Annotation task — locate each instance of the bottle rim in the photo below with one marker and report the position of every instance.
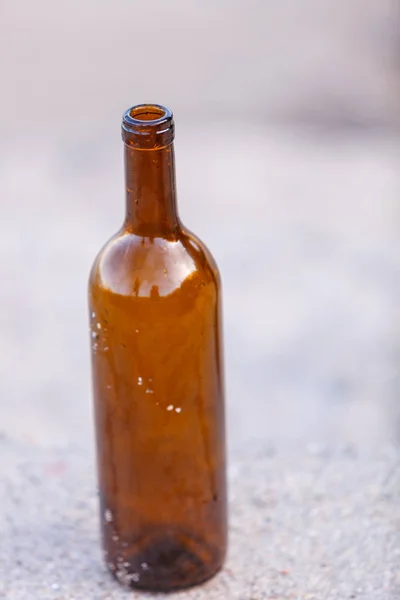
(148, 126)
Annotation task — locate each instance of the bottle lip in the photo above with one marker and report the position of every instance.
(148, 126)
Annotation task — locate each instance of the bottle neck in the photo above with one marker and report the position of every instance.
(150, 191)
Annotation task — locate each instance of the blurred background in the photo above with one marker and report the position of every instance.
(287, 120)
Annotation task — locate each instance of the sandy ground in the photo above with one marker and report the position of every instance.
(318, 523)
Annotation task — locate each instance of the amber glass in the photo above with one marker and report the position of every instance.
(155, 320)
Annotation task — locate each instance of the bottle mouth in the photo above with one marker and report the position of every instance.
(148, 126)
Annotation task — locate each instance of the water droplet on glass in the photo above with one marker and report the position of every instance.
(108, 516)
(98, 325)
(178, 410)
(144, 566)
(93, 315)
(149, 391)
(139, 380)
(170, 407)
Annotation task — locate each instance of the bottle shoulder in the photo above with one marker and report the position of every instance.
(131, 265)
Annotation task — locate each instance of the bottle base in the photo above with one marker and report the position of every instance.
(166, 564)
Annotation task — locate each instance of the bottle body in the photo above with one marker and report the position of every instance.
(155, 322)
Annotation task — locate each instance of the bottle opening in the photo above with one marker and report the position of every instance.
(148, 112)
(148, 126)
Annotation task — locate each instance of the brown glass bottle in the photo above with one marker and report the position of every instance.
(154, 300)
